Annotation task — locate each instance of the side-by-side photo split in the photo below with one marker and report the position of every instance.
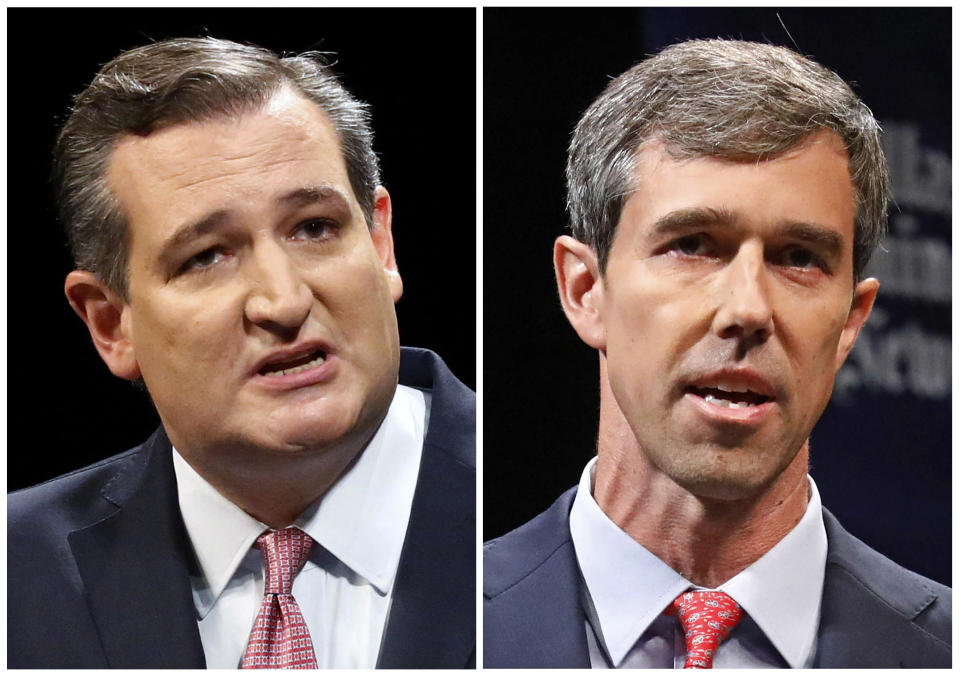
(479, 337)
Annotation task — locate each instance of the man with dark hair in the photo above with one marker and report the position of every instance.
(234, 255)
(724, 199)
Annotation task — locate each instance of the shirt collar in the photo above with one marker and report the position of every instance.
(221, 533)
(629, 586)
(362, 520)
(782, 589)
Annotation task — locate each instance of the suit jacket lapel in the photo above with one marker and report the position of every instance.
(432, 616)
(868, 607)
(533, 615)
(134, 566)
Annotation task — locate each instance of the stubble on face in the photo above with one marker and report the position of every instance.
(710, 283)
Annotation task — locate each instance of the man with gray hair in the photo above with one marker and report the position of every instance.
(308, 500)
(724, 199)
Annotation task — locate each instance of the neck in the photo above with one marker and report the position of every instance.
(706, 540)
(273, 487)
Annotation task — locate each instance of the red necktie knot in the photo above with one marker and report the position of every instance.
(707, 617)
(280, 638)
(284, 553)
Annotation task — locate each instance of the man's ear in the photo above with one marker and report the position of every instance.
(103, 311)
(382, 235)
(581, 289)
(864, 295)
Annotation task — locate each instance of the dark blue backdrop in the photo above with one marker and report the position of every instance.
(881, 452)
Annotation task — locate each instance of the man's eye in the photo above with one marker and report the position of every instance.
(688, 245)
(801, 258)
(315, 229)
(203, 260)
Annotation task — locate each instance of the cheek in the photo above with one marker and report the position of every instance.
(355, 292)
(816, 370)
(829, 328)
(187, 338)
(655, 322)
(645, 337)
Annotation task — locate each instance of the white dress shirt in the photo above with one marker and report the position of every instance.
(358, 527)
(627, 589)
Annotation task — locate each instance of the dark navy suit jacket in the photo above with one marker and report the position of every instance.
(873, 613)
(98, 561)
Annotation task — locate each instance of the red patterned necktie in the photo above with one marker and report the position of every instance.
(707, 617)
(280, 638)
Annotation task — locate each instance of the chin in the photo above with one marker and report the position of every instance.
(723, 488)
(305, 438)
(725, 475)
(305, 430)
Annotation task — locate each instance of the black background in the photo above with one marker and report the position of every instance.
(416, 68)
(883, 467)
(882, 464)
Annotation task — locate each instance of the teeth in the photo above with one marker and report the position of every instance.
(724, 403)
(298, 369)
(728, 387)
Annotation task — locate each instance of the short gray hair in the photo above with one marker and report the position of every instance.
(179, 81)
(719, 98)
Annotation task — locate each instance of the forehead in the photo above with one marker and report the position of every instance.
(179, 171)
(809, 182)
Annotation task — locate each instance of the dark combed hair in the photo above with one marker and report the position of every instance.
(180, 81)
(719, 98)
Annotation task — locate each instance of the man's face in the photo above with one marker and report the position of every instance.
(260, 309)
(726, 310)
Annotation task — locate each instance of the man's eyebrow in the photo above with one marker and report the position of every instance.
(206, 224)
(312, 195)
(679, 221)
(827, 240)
(687, 218)
(307, 195)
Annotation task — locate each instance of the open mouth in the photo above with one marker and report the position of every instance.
(727, 397)
(295, 364)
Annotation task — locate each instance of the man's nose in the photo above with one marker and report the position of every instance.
(279, 297)
(744, 309)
